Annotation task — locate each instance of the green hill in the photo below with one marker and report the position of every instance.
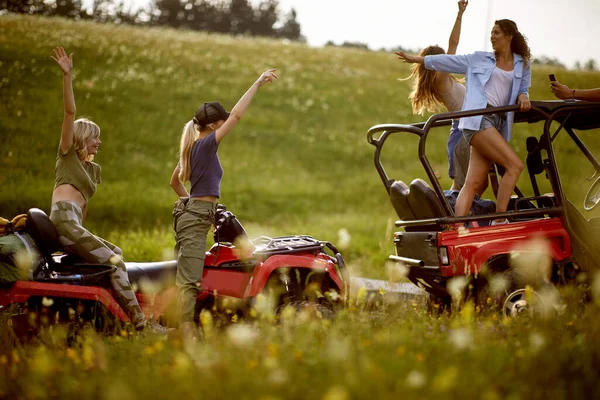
(298, 162)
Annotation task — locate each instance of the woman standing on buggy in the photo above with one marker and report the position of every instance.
(494, 79)
(76, 177)
(431, 89)
(194, 212)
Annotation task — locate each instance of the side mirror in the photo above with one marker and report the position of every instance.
(592, 197)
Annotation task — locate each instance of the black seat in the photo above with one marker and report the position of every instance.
(424, 202)
(160, 274)
(399, 198)
(43, 232)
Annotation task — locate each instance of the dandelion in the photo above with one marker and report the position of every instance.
(456, 287)
(114, 259)
(461, 338)
(242, 335)
(533, 263)
(47, 302)
(344, 238)
(278, 377)
(416, 379)
(339, 349)
(536, 341)
(149, 286)
(397, 271)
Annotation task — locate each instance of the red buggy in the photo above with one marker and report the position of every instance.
(543, 213)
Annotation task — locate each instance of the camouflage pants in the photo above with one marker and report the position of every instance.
(192, 221)
(74, 238)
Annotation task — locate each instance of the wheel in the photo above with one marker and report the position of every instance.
(521, 302)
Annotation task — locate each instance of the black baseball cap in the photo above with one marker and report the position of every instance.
(210, 112)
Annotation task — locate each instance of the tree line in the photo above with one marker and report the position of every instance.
(224, 16)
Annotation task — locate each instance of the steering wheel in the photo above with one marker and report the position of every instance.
(592, 197)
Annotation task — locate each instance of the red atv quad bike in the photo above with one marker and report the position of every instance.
(65, 290)
(542, 211)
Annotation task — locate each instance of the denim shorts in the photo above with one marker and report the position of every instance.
(488, 121)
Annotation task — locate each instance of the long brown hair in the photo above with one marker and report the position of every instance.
(425, 95)
(518, 44)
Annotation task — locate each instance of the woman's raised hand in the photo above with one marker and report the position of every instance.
(462, 6)
(267, 76)
(64, 62)
(406, 57)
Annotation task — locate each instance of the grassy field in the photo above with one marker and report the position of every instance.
(298, 163)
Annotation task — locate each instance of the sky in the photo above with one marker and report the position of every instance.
(568, 30)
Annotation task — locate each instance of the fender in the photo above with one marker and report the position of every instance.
(469, 251)
(307, 260)
(21, 291)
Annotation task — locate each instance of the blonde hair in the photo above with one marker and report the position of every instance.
(425, 95)
(189, 136)
(84, 130)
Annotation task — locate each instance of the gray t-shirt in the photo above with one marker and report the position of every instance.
(206, 172)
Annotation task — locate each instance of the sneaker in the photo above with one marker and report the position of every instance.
(499, 222)
(152, 326)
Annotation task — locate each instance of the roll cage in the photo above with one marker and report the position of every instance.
(568, 114)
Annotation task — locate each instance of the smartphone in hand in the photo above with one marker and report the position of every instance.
(552, 78)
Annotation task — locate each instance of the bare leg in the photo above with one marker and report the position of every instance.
(491, 145)
(476, 175)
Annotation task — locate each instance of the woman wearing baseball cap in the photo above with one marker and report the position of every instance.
(194, 212)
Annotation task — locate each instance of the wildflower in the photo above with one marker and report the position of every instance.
(337, 393)
(114, 259)
(397, 271)
(206, 319)
(461, 338)
(241, 335)
(446, 380)
(344, 238)
(415, 379)
(401, 350)
(361, 296)
(47, 302)
(536, 341)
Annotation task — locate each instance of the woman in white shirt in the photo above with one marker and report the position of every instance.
(493, 79)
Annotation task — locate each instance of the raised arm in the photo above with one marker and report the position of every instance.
(455, 34)
(240, 108)
(566, 93)
(66, 65)
(177, 185)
